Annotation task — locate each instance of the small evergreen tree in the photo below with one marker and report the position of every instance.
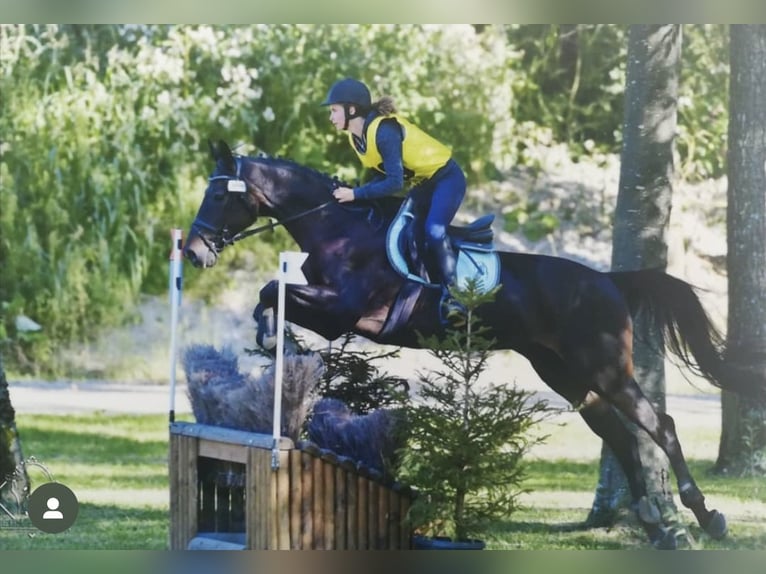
(466, 441)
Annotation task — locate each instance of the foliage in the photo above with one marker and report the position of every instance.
(108, 126)
(221, 395)
(105, 130)
(703, 102)
(372, 440)
(351, 373)
(574, 82)
(532, 222)
(466, 441)
(353, 376)
(574, 85)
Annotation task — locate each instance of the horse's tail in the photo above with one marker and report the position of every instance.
(687, 330)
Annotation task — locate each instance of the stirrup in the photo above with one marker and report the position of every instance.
(448, 306)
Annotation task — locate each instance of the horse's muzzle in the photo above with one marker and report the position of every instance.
(198, 253)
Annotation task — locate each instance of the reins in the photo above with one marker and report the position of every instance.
(255, 230)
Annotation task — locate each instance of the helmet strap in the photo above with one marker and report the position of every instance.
(347, 113)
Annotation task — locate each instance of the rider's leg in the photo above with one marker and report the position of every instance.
(448, 192)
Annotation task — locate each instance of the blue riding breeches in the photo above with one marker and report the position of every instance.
(441, 196)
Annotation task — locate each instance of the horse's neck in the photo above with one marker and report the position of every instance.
(304, 190)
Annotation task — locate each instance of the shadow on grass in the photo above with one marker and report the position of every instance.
(532, 534)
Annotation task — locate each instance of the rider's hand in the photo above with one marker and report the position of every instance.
(344, 194)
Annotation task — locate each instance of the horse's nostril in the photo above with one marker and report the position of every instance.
(191, 256)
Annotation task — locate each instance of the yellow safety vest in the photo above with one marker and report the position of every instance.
(422, 155)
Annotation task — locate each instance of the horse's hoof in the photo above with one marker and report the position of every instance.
(716, 526)
(667, 541)
(648, 512)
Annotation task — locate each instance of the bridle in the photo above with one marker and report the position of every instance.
(237, 185)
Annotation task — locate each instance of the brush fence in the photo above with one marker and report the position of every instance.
(224, 494)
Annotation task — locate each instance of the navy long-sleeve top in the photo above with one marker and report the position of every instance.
(389, 142)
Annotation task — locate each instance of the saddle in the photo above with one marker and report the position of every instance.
(472, 243)
(473, 246)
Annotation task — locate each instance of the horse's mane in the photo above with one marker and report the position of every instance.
(389, 205)
(293, 165)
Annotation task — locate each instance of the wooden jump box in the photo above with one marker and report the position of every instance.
(225, 494)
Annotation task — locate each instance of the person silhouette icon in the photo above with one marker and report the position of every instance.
(53, 507)
(53, 513)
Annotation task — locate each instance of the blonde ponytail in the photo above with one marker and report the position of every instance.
(385, 106)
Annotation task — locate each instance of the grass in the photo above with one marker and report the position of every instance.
(117, 467)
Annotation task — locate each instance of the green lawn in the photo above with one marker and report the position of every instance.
(117, 467)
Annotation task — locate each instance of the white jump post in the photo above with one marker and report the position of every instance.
(175, 286)
(290, 263)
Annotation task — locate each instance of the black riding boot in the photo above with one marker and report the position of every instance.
(444, 261)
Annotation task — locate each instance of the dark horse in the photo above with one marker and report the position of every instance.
(573, 323)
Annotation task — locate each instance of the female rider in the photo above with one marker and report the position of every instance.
(401, 153)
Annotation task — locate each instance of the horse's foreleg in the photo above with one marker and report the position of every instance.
(315, 307)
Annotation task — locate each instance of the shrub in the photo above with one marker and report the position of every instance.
(466, 439)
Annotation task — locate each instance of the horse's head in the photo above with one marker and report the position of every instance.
(227, 208)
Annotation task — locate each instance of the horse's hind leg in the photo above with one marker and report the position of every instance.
(604, 421)
(630, 400)
(602, 418)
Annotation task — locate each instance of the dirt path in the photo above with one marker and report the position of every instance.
(92, 396)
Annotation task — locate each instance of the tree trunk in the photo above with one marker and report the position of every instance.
(743, 425)
(640, 234)
(12, 483)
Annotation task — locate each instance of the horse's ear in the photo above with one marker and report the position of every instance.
(212, 148)
(225, 155)
(224, 151)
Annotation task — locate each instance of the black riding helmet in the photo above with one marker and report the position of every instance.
(350, 92)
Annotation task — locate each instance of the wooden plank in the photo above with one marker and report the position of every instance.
(307, 501)
(383, 543)
(296, 499)
(328, 504)
(372, 514)
(317, 515)
(238, 509)
(189, 487)
(266, 500)
(283, 501)
(362, 491)
(258, 492)
(183, 493)
(222, 508)
(173, 475)
(352, 510)
(394, 520)
(206, 497)
(227, 435)
(341, 508)
(222, 450)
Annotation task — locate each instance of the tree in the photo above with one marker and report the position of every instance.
(743, 431)
(640, 229)
(467, 437)
(11, 457)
